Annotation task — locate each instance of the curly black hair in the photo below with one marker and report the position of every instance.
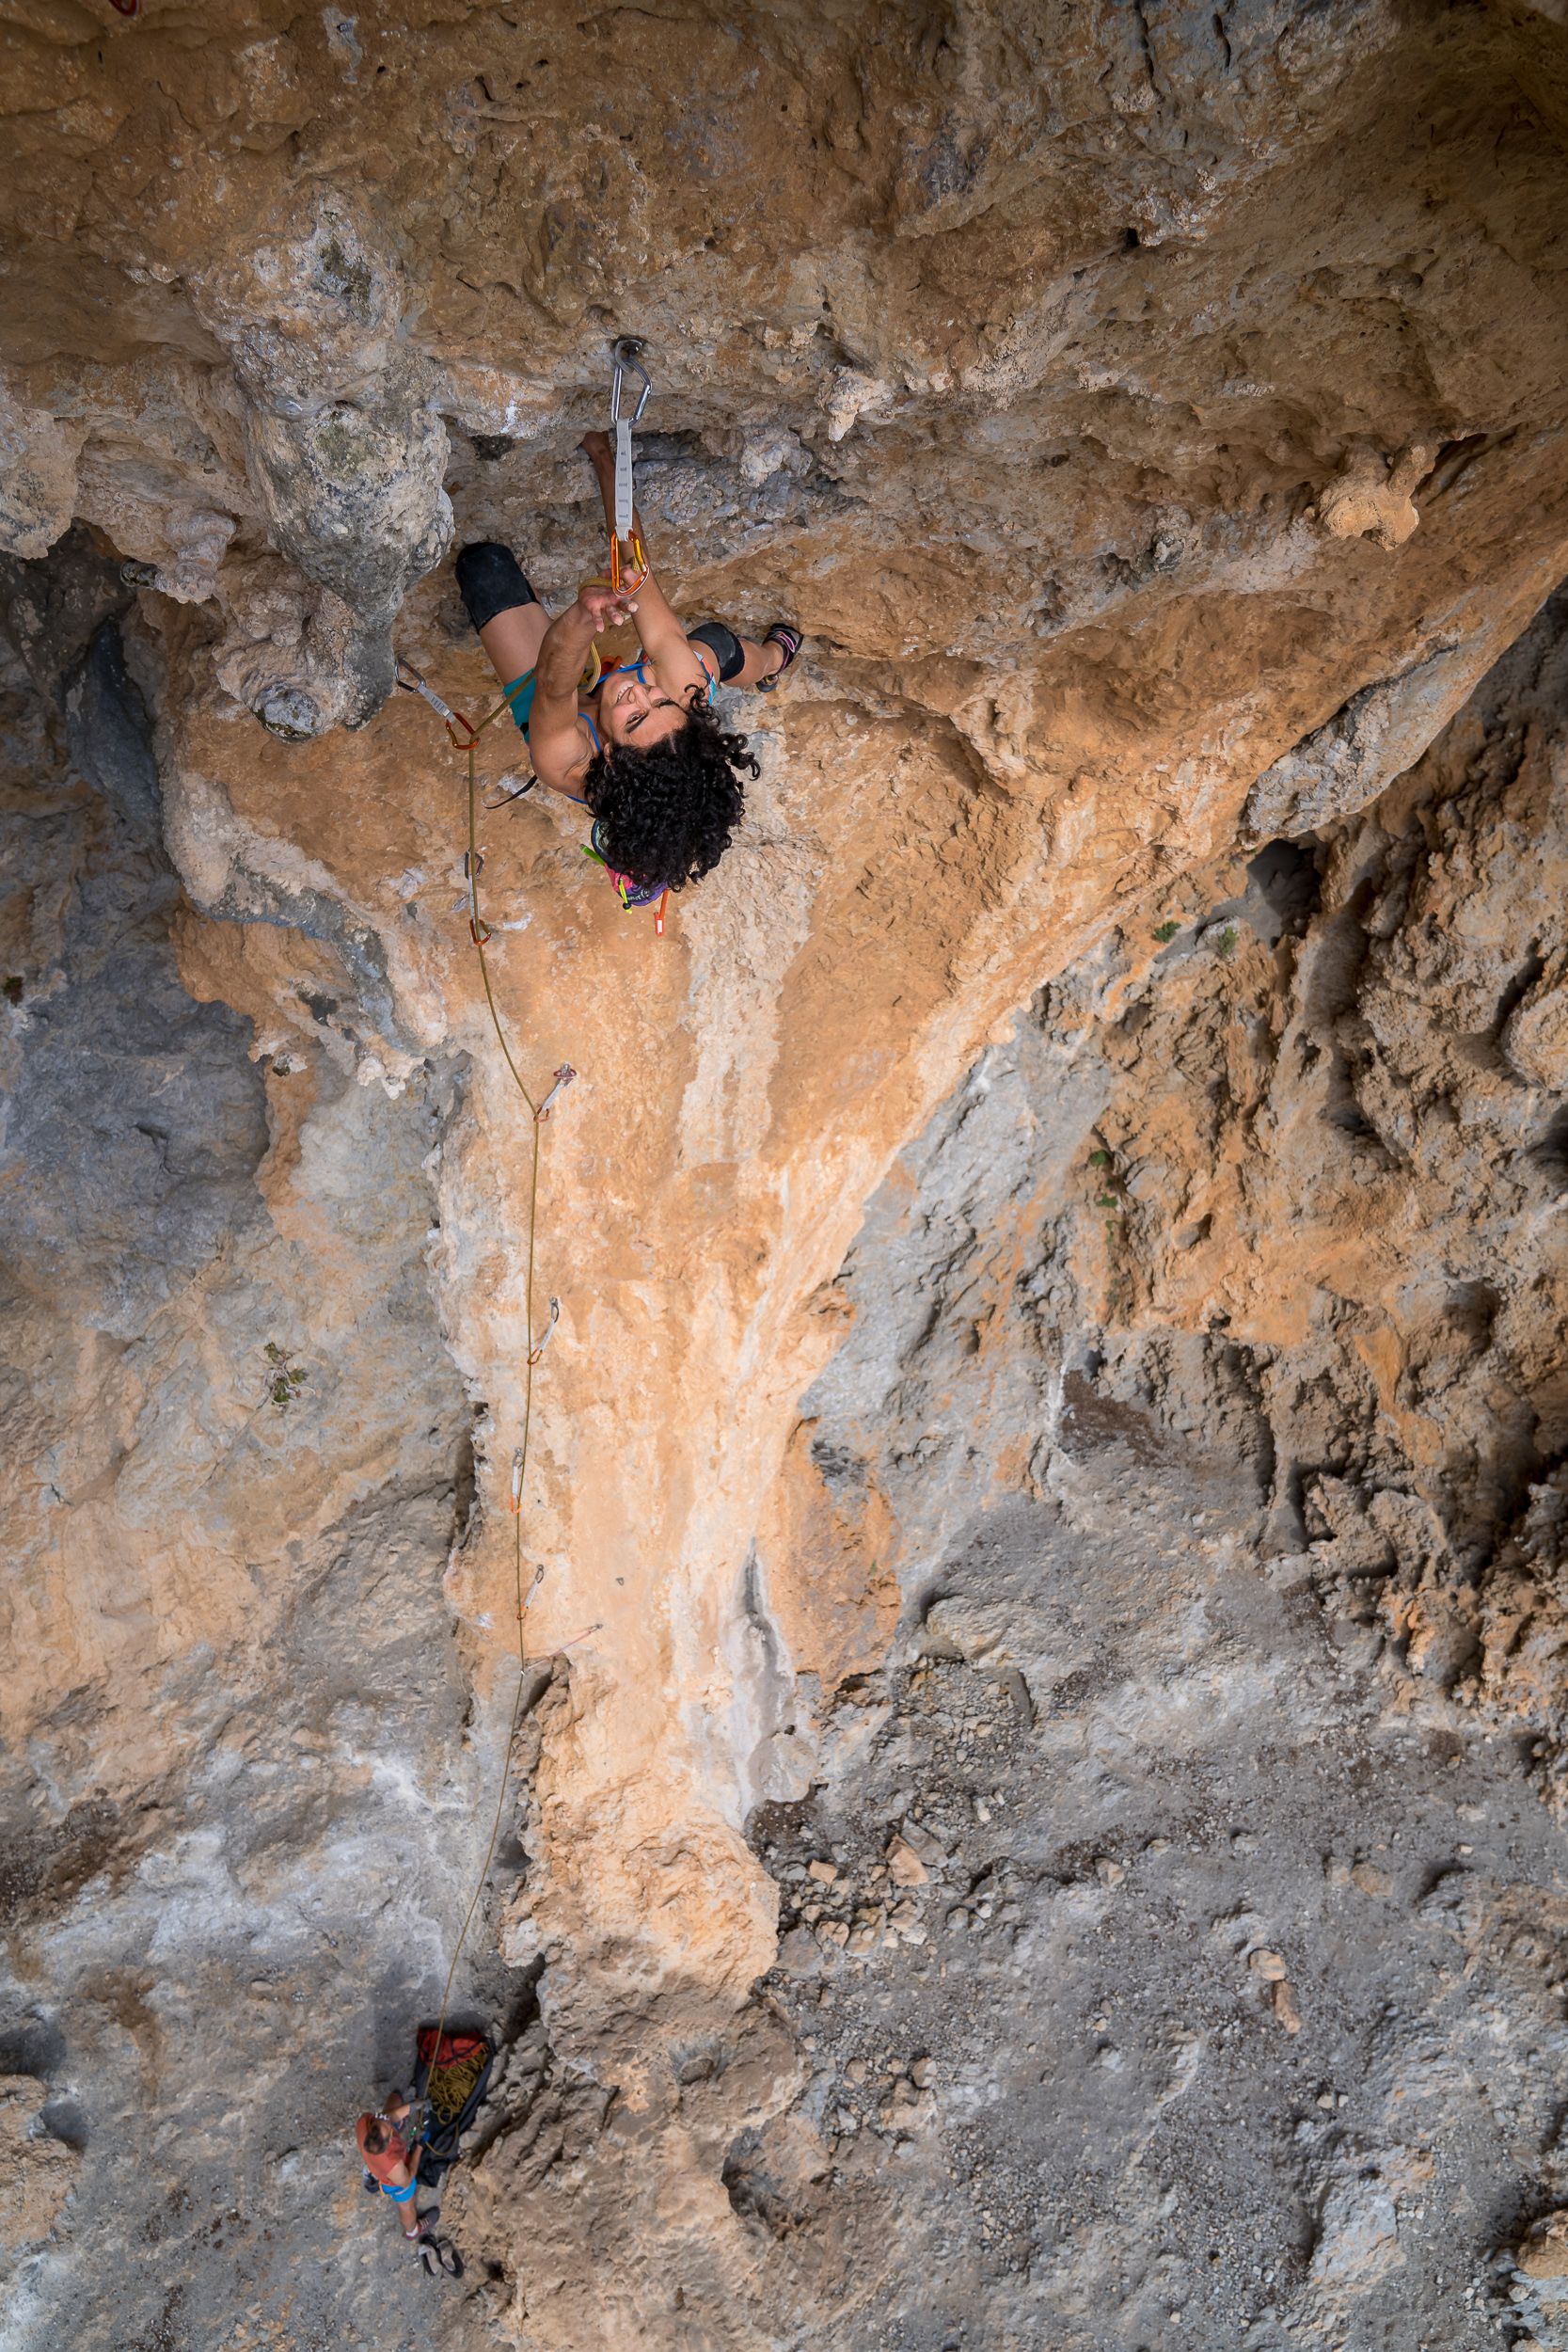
(664, 815)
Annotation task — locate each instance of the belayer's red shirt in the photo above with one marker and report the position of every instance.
(387, 2162)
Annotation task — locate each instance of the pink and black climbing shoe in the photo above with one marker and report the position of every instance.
(790, 641)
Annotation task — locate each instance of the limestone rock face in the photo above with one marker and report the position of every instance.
(1155, 419)
(1539, 2290)
(1206, 1364)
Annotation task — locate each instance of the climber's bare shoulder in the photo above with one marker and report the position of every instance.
(559, 743)
(555, 734)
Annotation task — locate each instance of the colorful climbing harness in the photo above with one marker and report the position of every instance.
(630, 894)
(465, 733)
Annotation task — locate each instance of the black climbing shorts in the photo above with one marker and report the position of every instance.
(723, 645)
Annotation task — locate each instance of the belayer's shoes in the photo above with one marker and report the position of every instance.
(490, 580)
(790, 641)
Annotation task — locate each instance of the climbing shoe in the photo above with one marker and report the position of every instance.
(789, 642)
(490, 580)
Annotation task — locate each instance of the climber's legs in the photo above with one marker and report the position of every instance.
(502, 607)
(512, 640)
(512, 622)
(741, 661)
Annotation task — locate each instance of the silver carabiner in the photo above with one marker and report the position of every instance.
(563, 1078)
(535, 1353)
(408, 676)
(626, 353)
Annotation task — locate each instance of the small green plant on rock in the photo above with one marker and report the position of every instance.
(1165, 932)
(284, 1380)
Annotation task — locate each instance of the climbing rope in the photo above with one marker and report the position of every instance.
(627, 572)
(465, 733)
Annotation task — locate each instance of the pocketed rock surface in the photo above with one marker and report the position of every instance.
(1088, 1478)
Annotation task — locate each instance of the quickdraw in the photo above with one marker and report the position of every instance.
(626, 353)
(563, 1078)
(409, 677)
(549, 1331)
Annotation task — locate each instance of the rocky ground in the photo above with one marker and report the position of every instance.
(1197, 1982)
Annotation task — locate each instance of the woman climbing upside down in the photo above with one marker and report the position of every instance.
(639, 747)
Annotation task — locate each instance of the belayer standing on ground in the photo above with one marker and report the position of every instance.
(639, 747)
(415, 2137)
(389, 2147)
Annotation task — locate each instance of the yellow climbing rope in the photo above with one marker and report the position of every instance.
(464, 736)
(628, 567)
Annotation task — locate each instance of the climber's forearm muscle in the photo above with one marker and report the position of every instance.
(555, 738)
(664, 634)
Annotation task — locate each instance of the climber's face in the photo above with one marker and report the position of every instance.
(637, 715)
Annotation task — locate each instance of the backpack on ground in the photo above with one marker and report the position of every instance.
(452, 2078)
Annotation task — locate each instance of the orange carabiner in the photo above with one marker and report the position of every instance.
(622, 583)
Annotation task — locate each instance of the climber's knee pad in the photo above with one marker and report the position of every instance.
(722, 644)
(490, 580)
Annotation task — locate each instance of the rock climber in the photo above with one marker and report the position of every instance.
(389, 2148)
(639, 746)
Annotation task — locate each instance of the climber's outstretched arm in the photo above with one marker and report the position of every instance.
(555, 734)
(677, 667)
